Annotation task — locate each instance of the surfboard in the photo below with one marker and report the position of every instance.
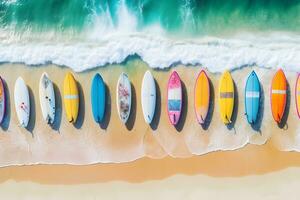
(71, 97)
(297, 95)
(98, 96)
(174, 98)
(124, 97)
(148, 92)
(252, 97)
(201, 97)
(22, 102)
(278, 95)
(47, 98)
(226, 97)
(2, 100)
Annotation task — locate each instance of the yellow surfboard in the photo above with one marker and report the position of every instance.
(226, 97)
(71, 97)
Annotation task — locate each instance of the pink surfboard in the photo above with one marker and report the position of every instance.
(2, 100)
(174, 98)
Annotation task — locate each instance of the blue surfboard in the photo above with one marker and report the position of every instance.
(98, 98)
(252, 97)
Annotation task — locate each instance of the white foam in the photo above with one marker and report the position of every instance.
(106, 41)
(217, 54)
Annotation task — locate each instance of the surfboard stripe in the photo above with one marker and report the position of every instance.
(174, 105)
(252, 94)
(174, 93)
(69, 96)
(226, 95)
(278, 91)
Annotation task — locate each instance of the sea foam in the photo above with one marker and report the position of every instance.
(216, 54)
(105, 41)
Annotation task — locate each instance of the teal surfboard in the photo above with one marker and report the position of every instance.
(98, 98)
(252, 98)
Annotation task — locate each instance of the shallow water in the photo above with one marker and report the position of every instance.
(87, 142)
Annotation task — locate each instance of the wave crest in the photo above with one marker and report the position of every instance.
(216, 54)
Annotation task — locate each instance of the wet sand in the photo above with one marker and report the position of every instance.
(248, 161)
(87, 142)
(149, 155)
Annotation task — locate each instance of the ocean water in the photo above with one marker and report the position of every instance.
(217, 34)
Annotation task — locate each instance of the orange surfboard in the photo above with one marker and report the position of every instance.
(297, 95)
(201, 97)
(278, 95)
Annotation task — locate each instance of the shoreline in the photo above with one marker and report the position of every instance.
(112, 142)
(253, 160)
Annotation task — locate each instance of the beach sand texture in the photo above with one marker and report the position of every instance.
(253, 172)
(262, 169)
(270, 186)
(86, 142)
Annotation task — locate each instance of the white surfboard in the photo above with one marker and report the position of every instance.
(47, 98)
(22, 102)
(123, 97)
(148, 92)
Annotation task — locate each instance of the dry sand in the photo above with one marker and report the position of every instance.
(280, 185)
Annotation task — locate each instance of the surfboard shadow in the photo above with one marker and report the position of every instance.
(211, 108)
(184, 107)
(58, 109)
(7, 115)
(283, 123)
(81, 113)
(257, 125)
(32, 117)
(107, 114)
(156, 117)
(131, 120)
(230, 126)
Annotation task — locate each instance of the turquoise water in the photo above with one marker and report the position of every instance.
(183, 16)
(217, 34)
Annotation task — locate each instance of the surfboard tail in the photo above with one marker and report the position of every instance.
(228, 119)
(203, 120)
(72, 120)
(279, 119)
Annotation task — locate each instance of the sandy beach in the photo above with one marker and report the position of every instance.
(253, 172)
(87, 142)
(142, 157)
(270, 186)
